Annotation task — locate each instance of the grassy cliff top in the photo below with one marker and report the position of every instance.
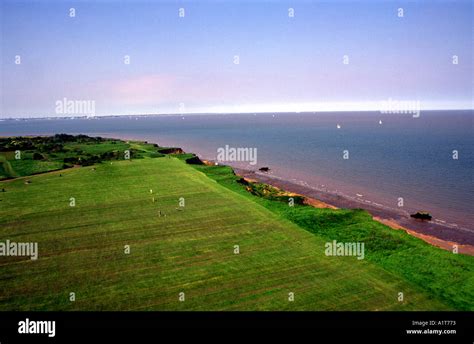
(194, 229)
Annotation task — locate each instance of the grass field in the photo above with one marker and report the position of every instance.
(53, 153)
(6, 170)
(81, 248)
(191, 249)
(443, 274)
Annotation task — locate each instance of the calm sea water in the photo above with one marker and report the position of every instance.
(403, 157)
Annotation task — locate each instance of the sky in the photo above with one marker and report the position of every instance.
(233, 56)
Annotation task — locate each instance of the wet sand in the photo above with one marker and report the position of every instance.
(436, 234)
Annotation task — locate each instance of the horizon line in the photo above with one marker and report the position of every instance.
(221, 113)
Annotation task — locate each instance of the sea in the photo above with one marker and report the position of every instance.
(392, 160)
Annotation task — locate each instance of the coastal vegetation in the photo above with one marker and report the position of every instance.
(160, 231)
(24, 156)
(442, 273)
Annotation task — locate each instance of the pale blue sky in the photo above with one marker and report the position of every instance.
(285, 63)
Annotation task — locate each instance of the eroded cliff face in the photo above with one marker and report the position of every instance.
(172, 150)
(194, 161)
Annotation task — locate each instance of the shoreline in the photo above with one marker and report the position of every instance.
(454, 213)
(435, 234)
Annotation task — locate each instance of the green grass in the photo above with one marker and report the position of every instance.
(29, 167)
(55, 159)
(26, 166)
(81, 248)
(100, 148)
(6, 170)
(448, 276)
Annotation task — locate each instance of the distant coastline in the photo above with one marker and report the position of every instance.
(145, 115)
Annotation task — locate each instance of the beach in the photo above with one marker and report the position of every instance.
(433, 233)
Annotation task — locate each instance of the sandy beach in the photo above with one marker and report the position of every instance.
(433, 233)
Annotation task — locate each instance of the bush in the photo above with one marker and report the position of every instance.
(38, 156)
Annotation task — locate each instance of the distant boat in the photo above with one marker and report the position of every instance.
(338, 126)
(380, 122)
(422, 215)
(264, 169)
